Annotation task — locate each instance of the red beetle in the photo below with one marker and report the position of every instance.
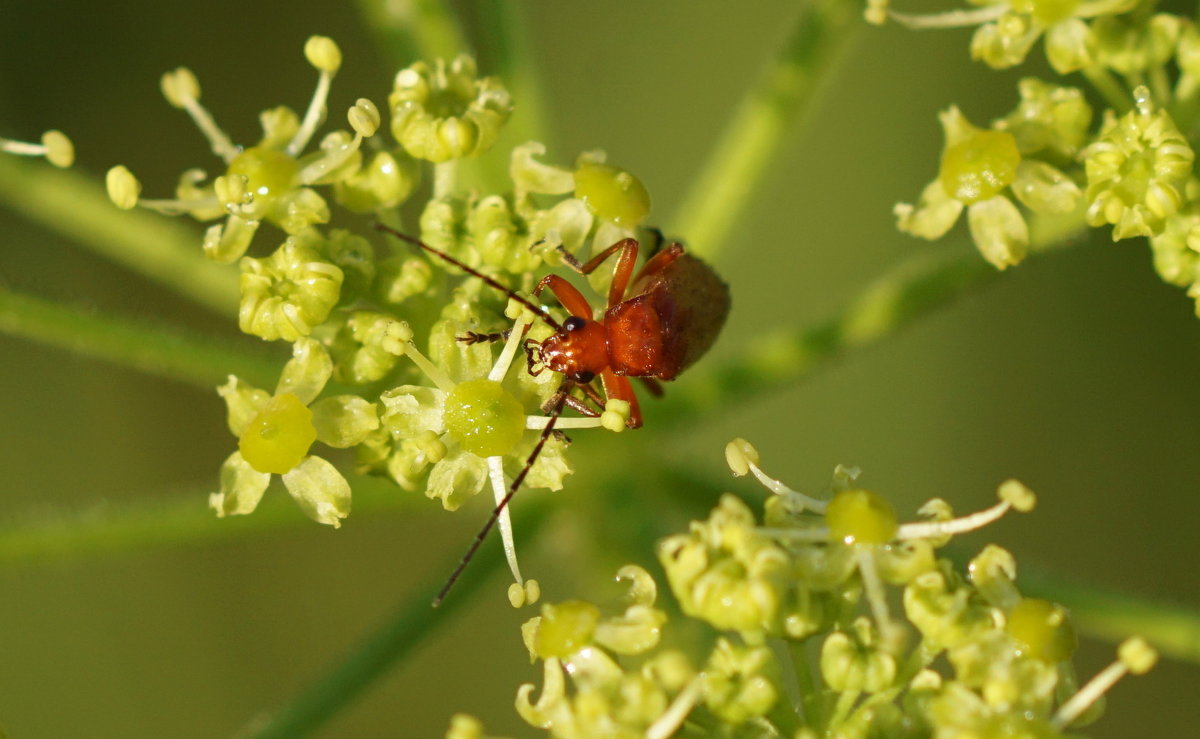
(672, 314)
(674, 310)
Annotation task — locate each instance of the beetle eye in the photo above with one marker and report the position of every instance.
(585, 377)
(573, 323)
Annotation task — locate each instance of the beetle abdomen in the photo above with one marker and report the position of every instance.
(690, 304)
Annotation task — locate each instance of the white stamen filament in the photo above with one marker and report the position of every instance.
(777, 487)
(23, 148)
(1088, 694)
(500, 369)
(877, 598)
(539, 422)
(668, 723)
(504, 522)
(312, 117)
(331, 161)
(949, 19)
(171, 207)
(816, 534)
(220, 143)
(432, 371)
(960, 525)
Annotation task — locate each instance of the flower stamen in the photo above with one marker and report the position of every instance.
(55, 147)
(1133, 656)
(323, 53)
(182, 90)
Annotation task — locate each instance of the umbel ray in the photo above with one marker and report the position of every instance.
(656, 323)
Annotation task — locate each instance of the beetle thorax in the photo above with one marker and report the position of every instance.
(579, 351)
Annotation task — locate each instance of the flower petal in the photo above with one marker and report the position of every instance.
(999, 231)
(242, 487)
(320, 490)
(456, 478)
(343, 421)
(306, 372)
(243, 402)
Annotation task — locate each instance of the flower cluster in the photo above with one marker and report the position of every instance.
(377, 364)
(807, 644)
(1130, 167)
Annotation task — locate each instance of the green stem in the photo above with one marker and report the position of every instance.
(161, 249)
(409, 628)
(145, 347)
(751, 140)
(418, 29)
(915, 288)
(183, 519)
(1110, 88)
(516, 66)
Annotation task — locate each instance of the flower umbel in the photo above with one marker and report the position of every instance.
(351, 308)
(986, 661)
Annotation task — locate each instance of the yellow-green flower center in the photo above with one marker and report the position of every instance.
(279, 436)
(484, 418)
(1043, 629)
(861, 517)
(612, 194)
(565, 628)
(1135, 175)
(269, 173)
(979, 165)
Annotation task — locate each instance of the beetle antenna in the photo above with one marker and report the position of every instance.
(538, 310)
(512, 491)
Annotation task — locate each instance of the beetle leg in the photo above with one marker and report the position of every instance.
(619, 387)
(621, 273)
(580, 406)
(567, 294)
(592, 395)
(659, 240)
(654, 386)
(660, 261)
(562, 395)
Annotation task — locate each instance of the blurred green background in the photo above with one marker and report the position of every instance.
(1076, 372)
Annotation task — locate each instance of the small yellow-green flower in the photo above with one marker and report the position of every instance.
(1137, 170)
(471, 424)
(444, 111)
(275, 433)
(609, 698)
(727, 572)
(287, 294)
(982, 170)
(275, 180)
